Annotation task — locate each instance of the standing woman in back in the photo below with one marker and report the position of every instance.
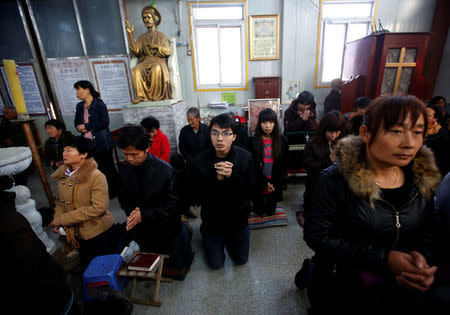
(269, 149)
(92, 121)
(320, 151)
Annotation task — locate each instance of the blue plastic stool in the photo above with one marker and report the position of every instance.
(102, 270)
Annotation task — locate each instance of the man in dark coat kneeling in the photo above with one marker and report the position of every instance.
(147, 195)
(224, 182)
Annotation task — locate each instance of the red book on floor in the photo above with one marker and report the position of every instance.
(143, 261)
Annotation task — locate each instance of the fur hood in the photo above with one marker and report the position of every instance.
(352, 165)
(80, 176)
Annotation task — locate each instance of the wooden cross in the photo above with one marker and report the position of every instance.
(399, 65)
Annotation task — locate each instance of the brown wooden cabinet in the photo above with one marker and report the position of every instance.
(383, 64)
(267, 87)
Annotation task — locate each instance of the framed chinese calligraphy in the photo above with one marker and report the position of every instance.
(65, 73)
(111, 76)
(30, 88)
(264, 37)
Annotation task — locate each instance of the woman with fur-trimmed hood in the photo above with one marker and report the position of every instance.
(82, 200)
(371, 216)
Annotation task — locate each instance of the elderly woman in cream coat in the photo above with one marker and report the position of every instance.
(82, 200)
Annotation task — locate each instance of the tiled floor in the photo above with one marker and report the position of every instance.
(265, 285)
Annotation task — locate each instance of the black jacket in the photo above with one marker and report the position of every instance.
(242, 138)
(439, 143)
(30, 270)
(225, 204)
(279, 169)
(98, 124)
(315, 158)
(151, 187)
(350, 225)
(191, 143)
(54, 148)
(332, 101)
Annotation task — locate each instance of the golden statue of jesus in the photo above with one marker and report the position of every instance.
(150, 77)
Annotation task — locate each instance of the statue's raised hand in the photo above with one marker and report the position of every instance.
(129, 28)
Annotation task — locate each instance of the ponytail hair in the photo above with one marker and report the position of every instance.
(87, 85)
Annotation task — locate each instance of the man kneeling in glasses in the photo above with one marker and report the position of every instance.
(224, 180)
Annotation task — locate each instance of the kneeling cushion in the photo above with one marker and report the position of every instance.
(277, 219)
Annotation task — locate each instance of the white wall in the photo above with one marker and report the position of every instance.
(406, 15)
(443, 80)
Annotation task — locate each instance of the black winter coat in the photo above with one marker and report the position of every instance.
(29, 270)
(279, 169)
(98, 124)
(191, 144)
(439, 143)
(54, 148)
(443, 235)
(151, 187)
(350, 225)
(332, 101)
(226, 203)
(315, 159)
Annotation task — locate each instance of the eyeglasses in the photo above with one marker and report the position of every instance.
(215, 133)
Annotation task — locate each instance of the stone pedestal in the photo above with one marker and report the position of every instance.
(14, 160)
(170, 113)
(27, 207)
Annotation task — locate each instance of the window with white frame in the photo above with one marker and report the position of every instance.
(341, 22)
(218, 36)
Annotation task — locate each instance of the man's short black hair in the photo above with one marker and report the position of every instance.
(82, 145)
(177, 161)
(361, 102)
(224, 121)
(134, 136)
(436, 99)
(437, 110)
(58, 124)
(149, 123)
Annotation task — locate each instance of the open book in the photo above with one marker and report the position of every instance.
(144, 261)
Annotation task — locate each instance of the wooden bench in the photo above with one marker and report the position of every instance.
(152, 275)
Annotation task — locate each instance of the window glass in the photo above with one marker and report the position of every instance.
(333, 49)
(218, 13)
(58, 28)
(230, 47)
(13, 39)
(218, 49)
(346, 10)
(356, 31)
(208, 55)
(102, 27)
(342, 22)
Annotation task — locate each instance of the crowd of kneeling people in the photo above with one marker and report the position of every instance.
(376, 210)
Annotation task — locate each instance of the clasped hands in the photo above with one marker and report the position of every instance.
(411, 270)
(270, 187)
(223, 169)
(81, 128)
(304, 114)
